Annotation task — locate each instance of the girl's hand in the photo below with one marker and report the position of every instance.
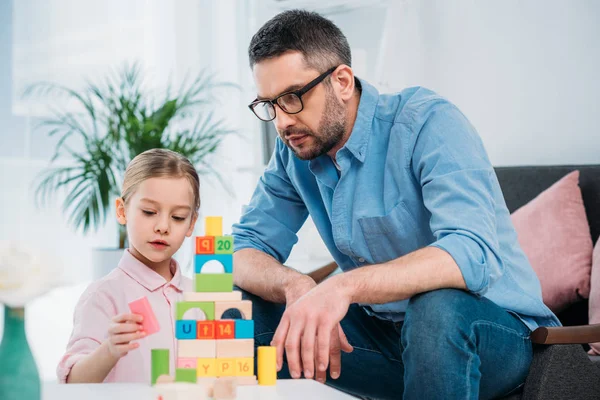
(124, 329)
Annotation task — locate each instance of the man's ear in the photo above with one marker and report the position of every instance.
(343, 78)
(192, 225)
(120, 206)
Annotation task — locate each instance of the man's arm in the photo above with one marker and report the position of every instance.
(421, 271)
(264, 276)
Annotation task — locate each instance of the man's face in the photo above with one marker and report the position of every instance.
(321, 124)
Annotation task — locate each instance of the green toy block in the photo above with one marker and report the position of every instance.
(224, 245)
(210, 283)
(160, 363)
(186, 375)
(208, 307)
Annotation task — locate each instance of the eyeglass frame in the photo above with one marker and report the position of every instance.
(299, 93)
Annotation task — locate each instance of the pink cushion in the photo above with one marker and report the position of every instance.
(594, 310)
(555, 235)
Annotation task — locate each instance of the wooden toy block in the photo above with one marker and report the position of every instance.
(244, 307)
(235, 348)
(246, 380)
(179, 391)
(225, 388)
(206, 367)
(225, 366)
(185, 375)
(267, 365)
(207, 308)
(205, 329)
(213, 226)
(142, 307)
(225, 329)
(244, 366)
(185, 329)
(213, 283)
(223, 245)
(160, 363)
(244, 329)
(197, 348)
(226, 260)
(205, 245)
(213, 297)
(183, 362)
(165, 379)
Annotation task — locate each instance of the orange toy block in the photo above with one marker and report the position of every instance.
(244, 366)
(196, 348)
(206, 367)
(225, 366)
(244, 306)
(205, 245)
(235, 348)
(212, 296)
(225, 329)
(206, 330)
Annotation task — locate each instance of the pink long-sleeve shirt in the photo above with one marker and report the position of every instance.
(110, 296)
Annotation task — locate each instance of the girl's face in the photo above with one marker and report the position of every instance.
(159, 215)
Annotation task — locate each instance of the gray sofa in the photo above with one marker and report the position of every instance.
(561, 369)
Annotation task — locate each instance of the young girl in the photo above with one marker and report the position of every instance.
(159, 205)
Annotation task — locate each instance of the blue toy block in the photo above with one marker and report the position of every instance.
(185, 329)
(225, 259)
(244, 329)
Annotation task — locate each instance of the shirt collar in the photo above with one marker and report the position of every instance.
(145, 276)
(361, 132)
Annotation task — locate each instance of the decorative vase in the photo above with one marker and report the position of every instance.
(19, 376)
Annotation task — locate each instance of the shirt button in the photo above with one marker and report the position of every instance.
(361, 260)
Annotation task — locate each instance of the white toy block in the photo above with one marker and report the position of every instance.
(235, 348)
(197, 348)
(244, 306)
(218, 296)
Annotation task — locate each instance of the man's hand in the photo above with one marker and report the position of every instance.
(309, 332)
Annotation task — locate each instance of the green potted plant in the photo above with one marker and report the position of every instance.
(104, 126)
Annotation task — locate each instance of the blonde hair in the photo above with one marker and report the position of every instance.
(157, 163)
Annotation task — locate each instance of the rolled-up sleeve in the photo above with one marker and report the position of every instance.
(276, 212)
(457, 180)
(91, 319)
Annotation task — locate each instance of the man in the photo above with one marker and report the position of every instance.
(436, 298)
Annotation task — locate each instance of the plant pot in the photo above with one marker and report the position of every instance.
(104, 261)
(19, 376)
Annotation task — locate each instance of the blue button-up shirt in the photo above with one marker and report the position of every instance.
(413, 173)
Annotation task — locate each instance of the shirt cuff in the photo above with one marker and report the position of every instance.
(66, 364)
(469, 257)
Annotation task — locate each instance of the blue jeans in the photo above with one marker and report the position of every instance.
(451, 345)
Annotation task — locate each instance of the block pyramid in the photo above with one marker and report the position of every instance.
(207, 345)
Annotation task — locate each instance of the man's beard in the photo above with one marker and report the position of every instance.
(331, 131)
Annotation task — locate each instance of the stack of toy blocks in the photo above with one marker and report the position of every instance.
(209, 346)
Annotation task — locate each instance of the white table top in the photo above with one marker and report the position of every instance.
(300, 389)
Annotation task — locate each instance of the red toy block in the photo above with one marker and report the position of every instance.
(225, 329)
(205, 245)
(142, 307)
(206, 330)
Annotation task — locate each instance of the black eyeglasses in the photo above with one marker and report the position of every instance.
(289, 102)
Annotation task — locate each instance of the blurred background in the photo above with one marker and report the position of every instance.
(525, 72)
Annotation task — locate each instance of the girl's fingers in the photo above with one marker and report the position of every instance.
(124, 327)
(125, 317)
(127, 337)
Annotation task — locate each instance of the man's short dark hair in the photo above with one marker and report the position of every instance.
(320, 41)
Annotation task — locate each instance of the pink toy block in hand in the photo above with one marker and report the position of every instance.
(142, 307)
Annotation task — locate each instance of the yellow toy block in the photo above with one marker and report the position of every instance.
(214, 226)
(235, 348)
(197, 348)
(267, 365)
(244, 366)
(212, 297)
(207, 367)
(225, 366)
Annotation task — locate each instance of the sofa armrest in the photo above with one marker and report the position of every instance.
(567, 334)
